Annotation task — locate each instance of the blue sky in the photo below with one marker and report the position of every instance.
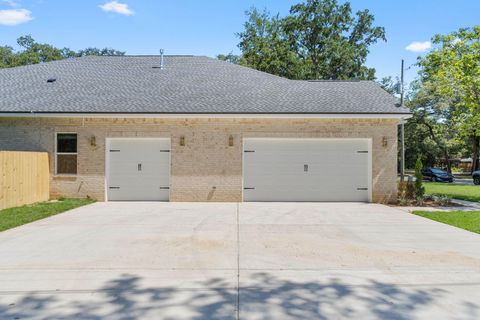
(209, 27)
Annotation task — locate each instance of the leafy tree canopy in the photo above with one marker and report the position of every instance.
(390, 85)
(232, 58)
(450, 74)
(319, 39)
(431, 133)
(32, 52)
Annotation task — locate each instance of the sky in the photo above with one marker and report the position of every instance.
(208, 27)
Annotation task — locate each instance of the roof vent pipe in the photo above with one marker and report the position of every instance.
(161, 59)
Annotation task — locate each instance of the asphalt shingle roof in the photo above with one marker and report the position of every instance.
(187, 84)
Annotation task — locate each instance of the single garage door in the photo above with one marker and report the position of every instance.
(138, 169)
(306, 169)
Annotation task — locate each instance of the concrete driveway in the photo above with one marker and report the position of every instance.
(249, 261)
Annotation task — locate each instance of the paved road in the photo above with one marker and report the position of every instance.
(464, 181)
(248, 261)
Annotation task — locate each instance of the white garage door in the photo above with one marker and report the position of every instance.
(138, 169)
(306, 169)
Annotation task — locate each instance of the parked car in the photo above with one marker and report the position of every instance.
(476, 177)
(437, 175)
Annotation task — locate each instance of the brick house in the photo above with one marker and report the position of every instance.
(199, 129)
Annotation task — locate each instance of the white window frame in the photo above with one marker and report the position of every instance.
(64, 153)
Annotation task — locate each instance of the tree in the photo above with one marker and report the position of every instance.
(99, 52)
(230, 57)
(451, 73)
(330, 40)
(319, 39)
(33, 52)
(389, 85)
(6, 54)
(432, 131)
(265, 46)
(418, 186)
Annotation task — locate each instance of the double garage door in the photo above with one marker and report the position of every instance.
(274, 169)
(306, 170)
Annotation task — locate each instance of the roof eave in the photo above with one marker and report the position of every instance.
(326, 115)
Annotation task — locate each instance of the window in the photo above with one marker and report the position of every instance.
(66, 153)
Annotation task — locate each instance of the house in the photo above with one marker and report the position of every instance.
(194, 128)
(465, 164)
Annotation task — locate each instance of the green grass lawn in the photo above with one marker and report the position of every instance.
(468, 220)
(13, 217)
(456, 191)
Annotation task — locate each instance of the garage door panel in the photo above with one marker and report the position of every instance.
(139, 169)
(150, 167)
(133, 183)
(336, 169)
(137, 195)
(287, 196)
(321, 194)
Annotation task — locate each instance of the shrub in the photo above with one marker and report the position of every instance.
(419, 189)
(420, 201)
(428, 198)
(403, 202)
(410, 190)
(401, 190)
(443, 201)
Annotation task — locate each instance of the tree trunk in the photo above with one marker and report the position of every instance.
(447, 160)
(443, 146)
(476, 151)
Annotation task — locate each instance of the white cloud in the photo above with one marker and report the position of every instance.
(10, 3)
(418, 46)
(13, 17)
(117, 7)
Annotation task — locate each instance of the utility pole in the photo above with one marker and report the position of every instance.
(402, 130)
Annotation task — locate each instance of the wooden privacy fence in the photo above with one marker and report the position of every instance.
(24, 178)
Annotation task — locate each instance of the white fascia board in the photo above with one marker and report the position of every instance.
(400, 116)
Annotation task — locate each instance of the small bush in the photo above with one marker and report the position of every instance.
(443, 200)
(420, 201)
(410, 190)
(428, 198)
(401, 190)
(403, 202)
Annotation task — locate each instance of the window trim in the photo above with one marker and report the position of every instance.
(64, 153)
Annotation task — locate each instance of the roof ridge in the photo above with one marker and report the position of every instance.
(140, 55)
(249, 68)
(336, 80)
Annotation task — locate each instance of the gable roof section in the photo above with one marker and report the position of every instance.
(187, 84)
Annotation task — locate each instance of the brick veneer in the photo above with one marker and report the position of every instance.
(206, 168)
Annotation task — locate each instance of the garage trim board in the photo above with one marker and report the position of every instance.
(307, 169)
(137, 169)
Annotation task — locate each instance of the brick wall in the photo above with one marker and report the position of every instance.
(206, 168)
